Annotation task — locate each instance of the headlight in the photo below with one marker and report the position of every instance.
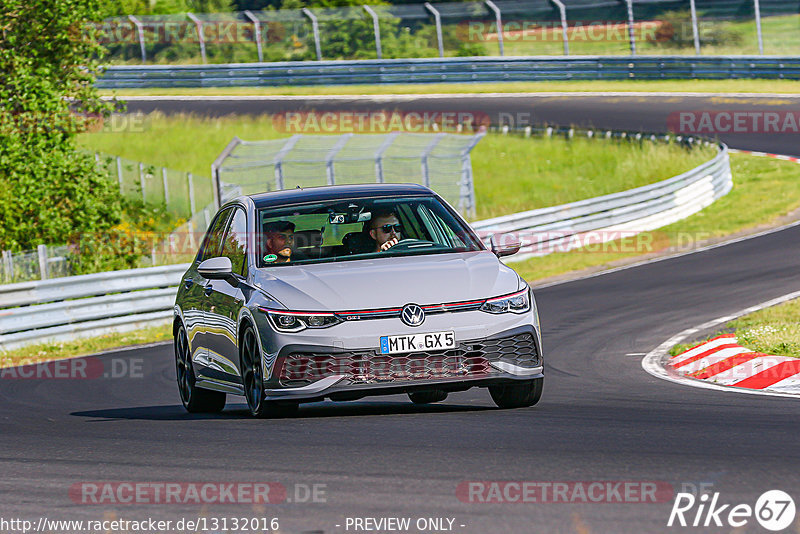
(290, 321)
(518, 302)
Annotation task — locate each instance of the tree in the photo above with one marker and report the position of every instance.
(50, 191)
(164, 7)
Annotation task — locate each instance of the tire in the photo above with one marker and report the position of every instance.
(519, 395)
(194, 399)
(253, 382)
(427, 397)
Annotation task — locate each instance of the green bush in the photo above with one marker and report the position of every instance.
(50, 192)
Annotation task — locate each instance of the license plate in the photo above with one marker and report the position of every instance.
(417, 342)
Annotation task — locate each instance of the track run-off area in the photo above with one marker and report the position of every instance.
(602, 418)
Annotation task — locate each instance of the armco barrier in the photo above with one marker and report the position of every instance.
(636, 210)
(88, 305)
(474, 69)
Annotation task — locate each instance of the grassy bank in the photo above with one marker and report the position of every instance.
(774, 330)
(624, 86)
(511, 173)
(82, 347)
(764, 190)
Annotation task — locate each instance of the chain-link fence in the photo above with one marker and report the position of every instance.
(440, 161)
(40, 264)
(183, 193)
(529, 27)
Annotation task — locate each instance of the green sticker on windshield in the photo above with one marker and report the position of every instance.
(269, 258)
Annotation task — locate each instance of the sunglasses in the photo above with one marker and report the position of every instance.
(388, 228)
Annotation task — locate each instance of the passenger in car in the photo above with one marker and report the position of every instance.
(278, 241)
(385, 229)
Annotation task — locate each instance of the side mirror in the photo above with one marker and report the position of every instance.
(505, 245)
(217, 269)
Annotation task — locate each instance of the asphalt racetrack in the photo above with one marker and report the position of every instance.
(602, 418)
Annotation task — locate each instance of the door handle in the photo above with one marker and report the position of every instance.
(208, 290)
(188, 283)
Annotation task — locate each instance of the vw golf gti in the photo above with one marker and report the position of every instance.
(346, 291)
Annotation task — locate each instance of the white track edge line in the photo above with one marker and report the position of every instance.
(654, 362)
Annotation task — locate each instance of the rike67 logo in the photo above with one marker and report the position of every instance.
(774, 510)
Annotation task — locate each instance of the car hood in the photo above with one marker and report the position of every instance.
(388, 282)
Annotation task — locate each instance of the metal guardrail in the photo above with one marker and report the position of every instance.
(611, 217)
(90, 305)
(86, 305)
(475, 69)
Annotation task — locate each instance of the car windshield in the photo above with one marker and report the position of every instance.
(342, 230)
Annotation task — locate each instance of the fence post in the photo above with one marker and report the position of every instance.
(695, 32)
(190, 183)
(562, 9)
(377, 29)
(467, 196)
(757, 6)
(199, 24)
(140, 31)
(631, 34)
(438, 18)
(499, 21)
(315, 27)
(8, 260)
(216, 185)
(257, 28)
(166, 186)
(426, 177)
(42, 252)
(332, 154)
(119, 173)
(278, 159)
(141, 181)
(379, 155)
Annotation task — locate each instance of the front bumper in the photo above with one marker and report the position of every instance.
(312, 372)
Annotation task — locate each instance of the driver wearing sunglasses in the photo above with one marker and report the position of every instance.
(385, 229)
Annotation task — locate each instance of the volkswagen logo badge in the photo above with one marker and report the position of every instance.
(412, 315)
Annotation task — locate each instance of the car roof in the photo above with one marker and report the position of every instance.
(333, 192)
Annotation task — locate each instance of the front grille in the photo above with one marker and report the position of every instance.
(469, 360)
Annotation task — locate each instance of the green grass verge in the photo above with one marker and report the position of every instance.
(83, 347)
(511, 173)
(764, 190)
(627, 86)
(774, 330)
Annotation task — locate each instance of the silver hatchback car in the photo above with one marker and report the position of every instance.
(346, 291)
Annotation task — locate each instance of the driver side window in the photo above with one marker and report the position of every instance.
(235, 244)
(213, 241)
